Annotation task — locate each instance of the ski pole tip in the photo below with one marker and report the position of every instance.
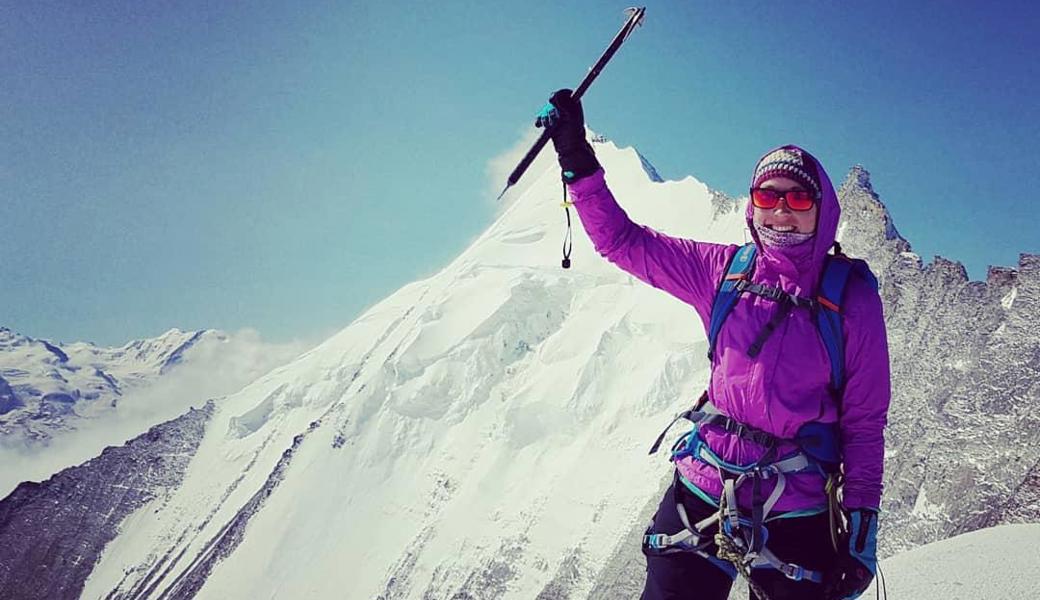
(503, 193)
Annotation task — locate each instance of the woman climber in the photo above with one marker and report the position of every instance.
(799, 387)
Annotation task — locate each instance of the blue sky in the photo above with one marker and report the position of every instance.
(283, 166)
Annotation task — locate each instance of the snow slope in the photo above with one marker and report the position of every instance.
(999, 563)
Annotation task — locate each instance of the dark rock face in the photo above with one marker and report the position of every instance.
(52, 533)
(722, 204)
(963, 441)
(56, 351)
(866, 228)
(651, 172)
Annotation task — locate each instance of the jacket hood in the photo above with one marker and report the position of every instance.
(800, 266)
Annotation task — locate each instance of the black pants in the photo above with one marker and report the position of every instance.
(804, 541)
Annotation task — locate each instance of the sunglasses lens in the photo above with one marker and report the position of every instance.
(799, 200)
(762, 198)
(796, 199)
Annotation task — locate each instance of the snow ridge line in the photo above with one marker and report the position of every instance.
(177, 356)
(146, 586)
(188, 583)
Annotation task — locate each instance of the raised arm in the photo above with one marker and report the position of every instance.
(684, 268)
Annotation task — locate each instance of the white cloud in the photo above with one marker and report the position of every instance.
(499, 167)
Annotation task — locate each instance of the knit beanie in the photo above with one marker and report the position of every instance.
(790, 162)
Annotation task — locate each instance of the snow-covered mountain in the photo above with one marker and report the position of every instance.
(483, 433)
(61, 403)
(46, 387)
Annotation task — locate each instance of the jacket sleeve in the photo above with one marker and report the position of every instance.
(686, 269)
(864, 406)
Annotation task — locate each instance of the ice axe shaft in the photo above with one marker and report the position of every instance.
(635, 18)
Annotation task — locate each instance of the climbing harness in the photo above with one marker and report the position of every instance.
(741, 540)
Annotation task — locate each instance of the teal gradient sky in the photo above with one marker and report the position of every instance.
(284, 165)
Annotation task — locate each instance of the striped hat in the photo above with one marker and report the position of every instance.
(791, 162)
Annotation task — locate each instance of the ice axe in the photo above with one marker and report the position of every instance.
(635, 19)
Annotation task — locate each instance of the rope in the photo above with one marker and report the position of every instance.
(728, 550)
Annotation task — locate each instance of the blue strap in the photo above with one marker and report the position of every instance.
(828, 317)
(739, 268)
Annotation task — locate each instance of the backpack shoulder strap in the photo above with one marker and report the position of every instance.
(740, 266)
(828, 318)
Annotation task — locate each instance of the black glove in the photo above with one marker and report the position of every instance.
(565, 121)
(857, 557)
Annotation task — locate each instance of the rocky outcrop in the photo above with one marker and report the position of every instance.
(52, 533)
(963, 439)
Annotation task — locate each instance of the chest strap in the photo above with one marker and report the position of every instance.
(786, 301)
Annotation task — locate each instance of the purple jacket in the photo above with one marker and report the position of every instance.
(786, 385)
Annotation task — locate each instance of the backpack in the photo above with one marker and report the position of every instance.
(826, 307)
(818, 440)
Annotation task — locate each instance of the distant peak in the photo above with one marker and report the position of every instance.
(177, 335)
(951, 268)
(867, 226)
(595, 137)
(859, 176)
(1002, 277)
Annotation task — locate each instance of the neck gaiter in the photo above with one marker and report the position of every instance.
(782, 239)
